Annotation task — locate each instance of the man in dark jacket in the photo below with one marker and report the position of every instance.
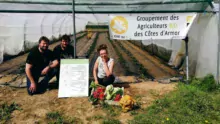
(63, 51)
(40, 62)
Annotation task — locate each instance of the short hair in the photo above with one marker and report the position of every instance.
(44, 38)
(66, 38)
(102, 47)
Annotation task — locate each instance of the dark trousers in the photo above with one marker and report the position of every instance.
(41, 86)
(106, 80)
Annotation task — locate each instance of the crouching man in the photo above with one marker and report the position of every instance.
(63, 51)
(40, 62)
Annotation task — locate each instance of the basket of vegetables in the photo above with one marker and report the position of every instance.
(110, 95)
(113, 95)
(97, 94)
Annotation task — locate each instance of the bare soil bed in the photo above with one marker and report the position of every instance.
(153, 66)
(34, 108)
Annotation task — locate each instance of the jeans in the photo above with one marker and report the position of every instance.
(41, 86)
(106, 80)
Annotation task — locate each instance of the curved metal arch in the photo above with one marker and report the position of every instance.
(57, 18)
(62, 23)
(41, 25)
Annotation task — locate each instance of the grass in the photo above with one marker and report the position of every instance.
(197, 103)
(57, 118)
(111, 121)
(112, 111)
(6, 110)
(95, 118)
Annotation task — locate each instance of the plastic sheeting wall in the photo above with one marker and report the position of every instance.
(17, 30)
(23, 30)
(203, 45)
(203, 42)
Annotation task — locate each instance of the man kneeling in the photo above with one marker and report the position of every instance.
(40, 62)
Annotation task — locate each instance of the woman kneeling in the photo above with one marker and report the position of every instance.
(104, 66)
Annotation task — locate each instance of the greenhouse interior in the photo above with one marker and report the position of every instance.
(161, 57)
(24, 21)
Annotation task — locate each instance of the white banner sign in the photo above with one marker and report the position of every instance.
(150, 26)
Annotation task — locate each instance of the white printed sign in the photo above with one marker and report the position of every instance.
(150, 26)
(74, 78)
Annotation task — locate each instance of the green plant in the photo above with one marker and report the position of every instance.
(96, 117)
(55, 118)
(112, 110)
(187, 104)
(205, 84)
(111, 121)
(138, 99)
(133, 113)
(6, 110)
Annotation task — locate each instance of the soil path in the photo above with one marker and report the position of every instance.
(81, 43)
(84, 48)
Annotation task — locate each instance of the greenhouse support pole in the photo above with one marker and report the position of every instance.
(74, 28)
(187, 60)
(217, 74)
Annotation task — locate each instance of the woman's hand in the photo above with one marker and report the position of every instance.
(104, 60)
(96, 82)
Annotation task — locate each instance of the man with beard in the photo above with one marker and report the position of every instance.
(63, 51)
(40, 62)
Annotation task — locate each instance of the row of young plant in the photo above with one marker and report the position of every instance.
(140, 68)
(92, 47)
(121, 59)
(150, 49)
(77, 38)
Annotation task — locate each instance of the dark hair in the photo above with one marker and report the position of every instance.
(102, 47)
(66, 38)
(44, 38)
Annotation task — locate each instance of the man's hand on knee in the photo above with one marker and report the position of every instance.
(33, 87)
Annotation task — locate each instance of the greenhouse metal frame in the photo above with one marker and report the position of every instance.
(112, 6)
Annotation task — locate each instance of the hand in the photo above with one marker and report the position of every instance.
(104, 60)
(45, 71)
(96, 82)
(32, 87)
